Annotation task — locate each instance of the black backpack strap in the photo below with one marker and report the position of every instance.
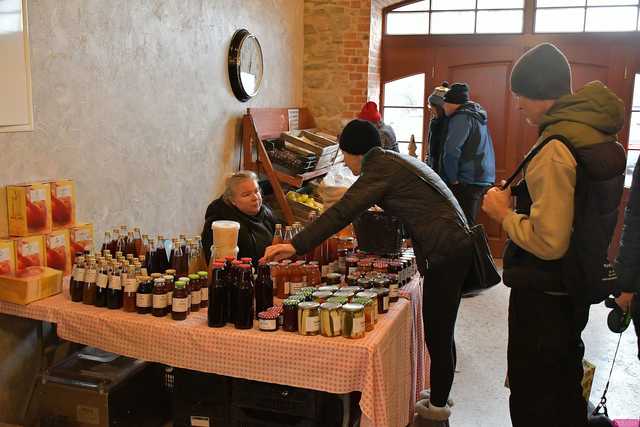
(534, 152)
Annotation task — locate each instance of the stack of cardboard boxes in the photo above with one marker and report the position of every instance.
(38, 228)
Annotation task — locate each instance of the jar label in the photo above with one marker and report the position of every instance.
(159, 301)
(358, 326)
(28, 249)
(385, 303)
(325, 270)
(78, 275)
(103, 280)
(179, 305)
(38, 195)
(130, 285)
(287, 288)
(205, 294)
(268, 324)
(63, 191)
(169, 298)
(144, 271)
(82, 236)
(4, 255)
(295, 286)
(196, 298)
(393, 290)
(352, 270)
(115, 283)
(56, 241)
(143, 300)
(91, 277)
(312, 324)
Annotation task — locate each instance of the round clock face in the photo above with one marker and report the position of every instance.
(250, 65)
(245, 65)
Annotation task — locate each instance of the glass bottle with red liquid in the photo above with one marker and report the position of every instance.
(178, 260)
(131, 245)
(106, 244)
(121, 244)
(217, 313)
(204, 282)
(263, 288)
(144, 295)
(160, 255)
(130, 289)
(76, 284)
(102, 283)
(243, 297)
(114, 291)
(278, 236)
(137, 242)
(196, 292)
(113, 245)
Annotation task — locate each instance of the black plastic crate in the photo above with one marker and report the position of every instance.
(200, 395)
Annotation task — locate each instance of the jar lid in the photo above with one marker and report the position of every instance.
(291, 302)
(361, 300)
(194, 277)
(185, 279)
(203, 274)
(352, 288)
(380, 282)
(330, 288)
(170, 271)
(180, 284)
(338, 300)
(367, 294)
(363, 280)
(309, 305)
(322, 294)
(267, 315)
(156, 275)
(167, 277)
(353, 307)
(330, 306)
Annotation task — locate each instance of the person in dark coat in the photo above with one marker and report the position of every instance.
(468, 160)
(242, 202)
(409, 190)
(437, 128)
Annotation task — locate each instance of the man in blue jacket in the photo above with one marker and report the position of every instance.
(468, 160)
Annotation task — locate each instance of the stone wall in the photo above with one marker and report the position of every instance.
(341, 58)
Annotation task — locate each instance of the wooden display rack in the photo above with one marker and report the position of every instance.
(259, 124)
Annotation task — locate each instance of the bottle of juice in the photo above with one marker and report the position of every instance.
(177, 259)
(202, 262)
(278, 236)
(216, 316)
(162, 262)
(288, 234)
(130, 290)
(114, 292)
(102, 283)
(106, 244)
(263, 289)
(115, 236)
(196, 292)
(90, 280)
(76, 285)
(243, 299)
(131, 245)
(144, 295)
(204, 282)
(137, 242)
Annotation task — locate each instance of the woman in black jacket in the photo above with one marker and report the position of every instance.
(242, 202)
(408, 189)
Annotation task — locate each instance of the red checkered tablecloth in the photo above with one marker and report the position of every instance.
(388, 366)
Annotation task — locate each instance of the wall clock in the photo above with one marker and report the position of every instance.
(246, 65)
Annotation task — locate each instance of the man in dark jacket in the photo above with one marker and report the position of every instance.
(242, 202)
(437, 128)
(548, 308)
(628, 260)
(408, 189)
(468, 160)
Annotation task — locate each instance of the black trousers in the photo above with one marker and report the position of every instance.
(470, 198)
(545, 360)
(441, 299)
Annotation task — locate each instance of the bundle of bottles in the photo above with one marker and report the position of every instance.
(137, 274)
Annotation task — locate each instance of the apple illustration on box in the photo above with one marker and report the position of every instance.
(61, 210)
(36, 215)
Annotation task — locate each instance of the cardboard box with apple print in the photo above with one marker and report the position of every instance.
(29, 209)
(81, 238)
(29, 252)
(63, 203)
(59, 250)
(7, 257)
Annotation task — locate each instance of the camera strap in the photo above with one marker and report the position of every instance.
(602, 405)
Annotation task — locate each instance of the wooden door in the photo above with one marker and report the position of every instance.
(487, 69)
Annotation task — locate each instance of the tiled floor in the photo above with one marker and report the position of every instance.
(481, 337)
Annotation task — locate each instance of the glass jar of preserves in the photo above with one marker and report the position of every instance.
(352, 266)
(290, 314)
(159, 298)
(364, 283)
(329, 288)
(308, 318)
(144, 296)
(369, 311)
(179, 305)
(334, 279)
(330, 322)
(394, 277)
(204, 290)
(383, 300)
(344, 293)
(380, 282)
(196, 292)
(352, 280)
(169, 286)
(353, 321)
(365, 266)
(321, 296)
(381, 267)
(373, 296)
(268, 321)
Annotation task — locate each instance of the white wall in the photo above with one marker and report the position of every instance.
(131, 99)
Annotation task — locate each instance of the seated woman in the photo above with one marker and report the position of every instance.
(242, 202)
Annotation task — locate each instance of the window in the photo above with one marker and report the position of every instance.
(575, 16)
(634, 133)
(404, 110)
(458, 17)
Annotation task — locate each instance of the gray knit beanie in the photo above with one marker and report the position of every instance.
(543, 72)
